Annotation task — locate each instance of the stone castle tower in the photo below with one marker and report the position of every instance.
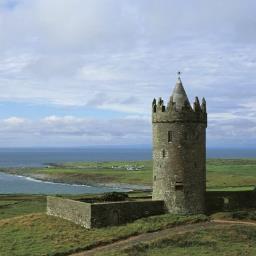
(179, 152)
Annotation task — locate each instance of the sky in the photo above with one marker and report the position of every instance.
(84, 72)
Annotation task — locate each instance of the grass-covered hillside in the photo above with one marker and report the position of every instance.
(229, 240)
(231, 172)
(25, 229)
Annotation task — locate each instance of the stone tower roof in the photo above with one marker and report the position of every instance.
(179, 96)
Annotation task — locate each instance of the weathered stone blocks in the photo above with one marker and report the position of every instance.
(179, 153)
(94, 215)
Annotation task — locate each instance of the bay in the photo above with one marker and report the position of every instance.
(13, 184)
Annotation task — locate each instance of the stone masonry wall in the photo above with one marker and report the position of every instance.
(115, 213)
(102, 214)
(179, 166)
(75, 211)
(230, 200)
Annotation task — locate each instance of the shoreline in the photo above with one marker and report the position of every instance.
(47, 179)
(221, 174)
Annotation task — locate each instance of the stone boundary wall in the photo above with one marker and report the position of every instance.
(97, 215)
(230, 200)
(115, 213)
(75, 211)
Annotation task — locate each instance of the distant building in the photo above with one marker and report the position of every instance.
(179, 152)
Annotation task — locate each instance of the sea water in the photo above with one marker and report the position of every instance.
(36, 157)
(13, 184)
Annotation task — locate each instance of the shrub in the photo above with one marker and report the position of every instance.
(114, 196)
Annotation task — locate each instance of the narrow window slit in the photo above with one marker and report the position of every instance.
(178, 186)
(170, 136)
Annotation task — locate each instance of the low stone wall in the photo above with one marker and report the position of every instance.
(114, 213)
(95, 215)
(229, 200)
(75, 211)
(102, 214)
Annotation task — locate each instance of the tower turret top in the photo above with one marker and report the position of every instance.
(178, 108)
(179, 95)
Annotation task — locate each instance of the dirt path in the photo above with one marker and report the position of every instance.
(147, 237)
(237, 222)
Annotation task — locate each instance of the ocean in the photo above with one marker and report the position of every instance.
(36, 157)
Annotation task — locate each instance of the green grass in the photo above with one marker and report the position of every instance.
(12, 206)
(231, 172)
(221, 173)
(39, 234)
(244, 215)
(211, 241)
(238, 188)
(26, 230)
(6, 203)
(92, 173)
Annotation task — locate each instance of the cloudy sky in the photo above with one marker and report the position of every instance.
(84, 72)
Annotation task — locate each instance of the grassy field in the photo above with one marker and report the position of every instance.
(26, 230)
(243, 215)
(231, 172)
(12, 206)
(211, 241)
(221, 173)
(39, 234)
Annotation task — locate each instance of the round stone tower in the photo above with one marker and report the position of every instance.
(179, 152)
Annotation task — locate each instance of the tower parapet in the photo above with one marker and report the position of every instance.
(177, 111)
(179, 152)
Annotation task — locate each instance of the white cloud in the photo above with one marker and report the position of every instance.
(82, 131)
(77, 131)
(118, 55)
(14, 121)
(99, 74)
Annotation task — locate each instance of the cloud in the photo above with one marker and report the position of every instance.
(82, 131)
(89, 73)
(132, 129)
(116, 56)
(14, 121)
(222, 116)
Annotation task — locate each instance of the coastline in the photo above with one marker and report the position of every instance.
(133, 175)
(111, 175)
(39, 177)
(47, 178)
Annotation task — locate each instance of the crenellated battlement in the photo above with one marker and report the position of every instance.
(169, 113)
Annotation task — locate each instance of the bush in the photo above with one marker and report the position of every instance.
(244, 215)
(240, 215)
(114, 196)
